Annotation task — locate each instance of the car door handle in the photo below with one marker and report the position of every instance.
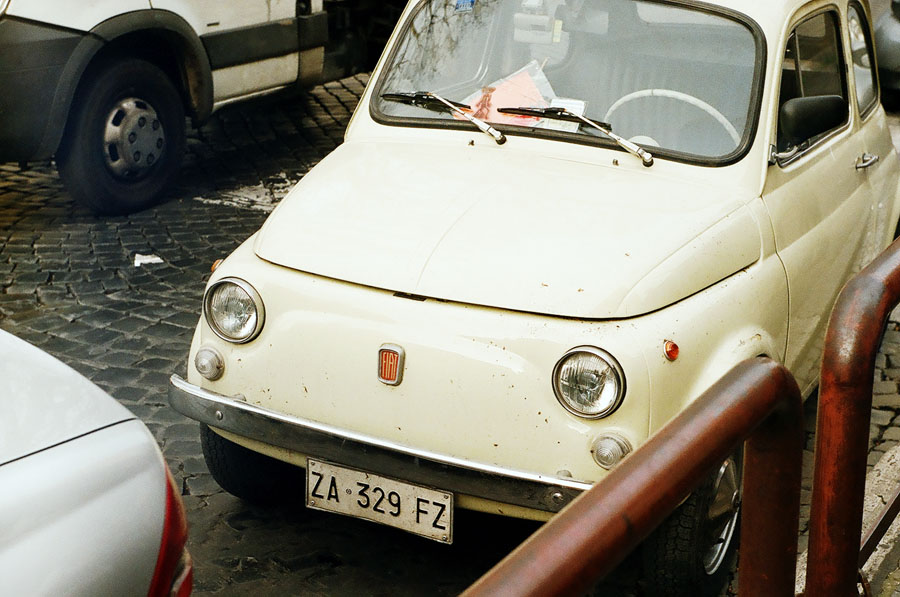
(866, 160)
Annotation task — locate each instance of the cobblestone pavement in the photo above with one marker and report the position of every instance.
(79, 287)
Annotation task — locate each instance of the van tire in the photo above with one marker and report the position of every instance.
(124, 140)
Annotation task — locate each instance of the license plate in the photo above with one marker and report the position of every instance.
(420, 510)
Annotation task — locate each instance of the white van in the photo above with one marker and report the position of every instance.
(105, 85)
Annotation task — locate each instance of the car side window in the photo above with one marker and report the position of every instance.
(812, 68)
(861, 51)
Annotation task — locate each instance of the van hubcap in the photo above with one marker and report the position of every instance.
(134, 139)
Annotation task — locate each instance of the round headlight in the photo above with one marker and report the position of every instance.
(588, 382)
(234, 310)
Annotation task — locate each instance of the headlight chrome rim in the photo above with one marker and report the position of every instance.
(613, 364)
(254, 297)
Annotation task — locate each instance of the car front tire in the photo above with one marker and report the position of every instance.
(694, 550)
(124, 140)
(249, 475)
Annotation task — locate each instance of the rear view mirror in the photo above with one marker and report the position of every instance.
(803, 118)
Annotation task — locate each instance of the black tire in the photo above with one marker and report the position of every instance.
(124, 140)
(249, 475)
(690, 554)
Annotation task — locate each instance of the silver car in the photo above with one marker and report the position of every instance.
(87, 506)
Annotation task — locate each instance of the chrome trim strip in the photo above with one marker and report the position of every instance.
(521, 488)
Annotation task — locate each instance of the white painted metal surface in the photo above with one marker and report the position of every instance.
(80, 16)
(509, 228)
(84, 517)
(211, 16)
(84, 484)
(247, 79)
(43, 402)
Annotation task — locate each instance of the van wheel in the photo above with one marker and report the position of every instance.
(124, 140)
(249, 475)
(694, 550)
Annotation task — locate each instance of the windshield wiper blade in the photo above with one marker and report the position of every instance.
(557, 113)
(423, 99)
(432, 101)
(554, 113)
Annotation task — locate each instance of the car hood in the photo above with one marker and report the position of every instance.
(44, 403)
(495, 227)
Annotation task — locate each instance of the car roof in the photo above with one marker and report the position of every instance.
(772, 15)
(771, 11)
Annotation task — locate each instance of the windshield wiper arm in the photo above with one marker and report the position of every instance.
(557, 113)
(432, 101)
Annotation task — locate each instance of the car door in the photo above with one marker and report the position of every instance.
(878, 150)
(252, 44)
(820, 204)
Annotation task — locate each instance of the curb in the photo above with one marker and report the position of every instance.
(881, 482)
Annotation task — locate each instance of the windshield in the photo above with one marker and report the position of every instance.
(673, 79)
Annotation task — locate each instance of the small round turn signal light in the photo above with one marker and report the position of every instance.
(610, 448)
(670, 349)
(209, 363)
(216, 265)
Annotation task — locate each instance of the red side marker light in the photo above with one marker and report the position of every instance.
(670, 349)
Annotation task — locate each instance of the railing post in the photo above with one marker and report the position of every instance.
(842, 429)
(773, 459)
(597, 530)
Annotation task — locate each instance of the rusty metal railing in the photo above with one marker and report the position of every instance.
(842, 430)
(758, 401)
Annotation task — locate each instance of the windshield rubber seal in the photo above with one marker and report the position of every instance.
(750, 131)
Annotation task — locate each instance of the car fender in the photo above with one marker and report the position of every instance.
(740, 317)
(745, 343)
(739, 345)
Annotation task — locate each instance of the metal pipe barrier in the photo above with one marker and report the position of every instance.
(758, 401)
(854, 333)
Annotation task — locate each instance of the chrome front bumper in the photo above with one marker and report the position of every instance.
(520, 488)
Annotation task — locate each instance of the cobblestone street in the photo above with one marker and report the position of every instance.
(87, 290)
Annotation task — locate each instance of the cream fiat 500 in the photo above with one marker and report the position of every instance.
(552, 225)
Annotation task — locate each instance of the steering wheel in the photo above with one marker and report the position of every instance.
(677, 95)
